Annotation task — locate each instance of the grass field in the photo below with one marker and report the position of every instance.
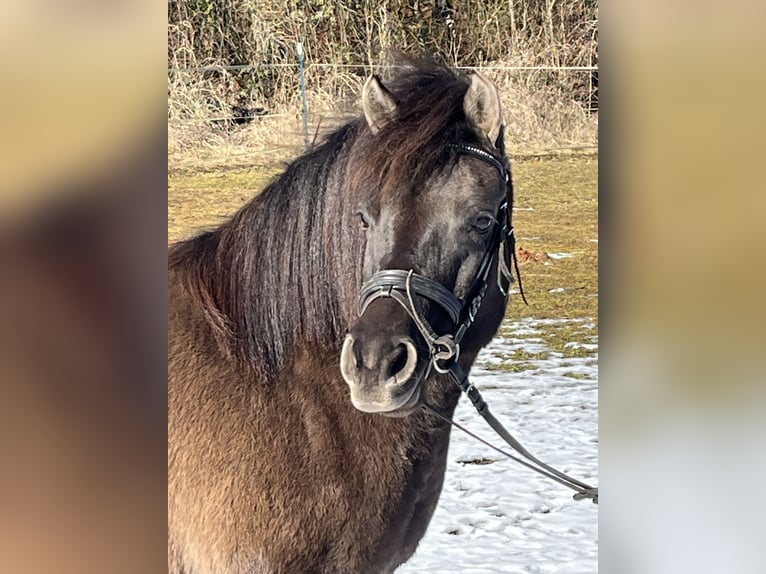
(556, 213)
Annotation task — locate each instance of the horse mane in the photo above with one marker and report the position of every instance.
(286, 268)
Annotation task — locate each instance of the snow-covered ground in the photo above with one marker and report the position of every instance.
(499, 516)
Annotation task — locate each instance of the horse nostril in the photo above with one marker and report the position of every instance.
(398, 362)
(403, 361)
(370, 364)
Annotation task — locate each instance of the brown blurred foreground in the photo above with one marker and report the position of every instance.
(82, 393)
(82, 303)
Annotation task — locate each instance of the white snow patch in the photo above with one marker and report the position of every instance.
(560, 255)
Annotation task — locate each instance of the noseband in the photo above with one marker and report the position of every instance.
(404, 286)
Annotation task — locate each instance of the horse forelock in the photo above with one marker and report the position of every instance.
(405, 153)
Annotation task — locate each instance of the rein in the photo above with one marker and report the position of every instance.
(403, 286)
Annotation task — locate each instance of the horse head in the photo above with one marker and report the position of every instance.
(433, 227)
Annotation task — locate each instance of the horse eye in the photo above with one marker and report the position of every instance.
(363, 221)
(483, 222)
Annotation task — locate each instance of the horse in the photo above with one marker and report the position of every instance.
(297, 437)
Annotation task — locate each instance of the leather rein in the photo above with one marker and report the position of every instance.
(405, 286)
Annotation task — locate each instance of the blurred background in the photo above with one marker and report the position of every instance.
(83, 177)
(88, 91)
(682, 205)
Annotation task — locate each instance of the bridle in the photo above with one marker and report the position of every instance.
(405, 286)
(402, 285)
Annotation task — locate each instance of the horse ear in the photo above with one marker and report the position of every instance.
(482, 106)
(378, 104)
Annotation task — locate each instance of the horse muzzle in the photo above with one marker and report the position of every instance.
(381, 373)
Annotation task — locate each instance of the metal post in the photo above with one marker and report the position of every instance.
(299, 50)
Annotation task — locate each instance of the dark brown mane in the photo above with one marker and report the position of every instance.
(285, 269)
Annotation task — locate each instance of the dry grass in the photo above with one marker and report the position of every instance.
(540, 120)
(546, 110)
(201, 200)
(557, 212)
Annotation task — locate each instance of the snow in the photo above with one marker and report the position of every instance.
(495, 515)
(560, 255)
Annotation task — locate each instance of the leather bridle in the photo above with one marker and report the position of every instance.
(406, 286)
(403, 286)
